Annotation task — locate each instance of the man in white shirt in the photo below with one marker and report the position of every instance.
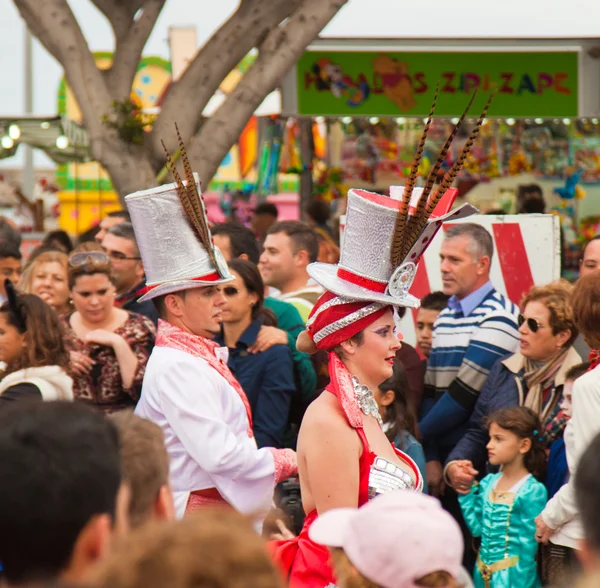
(188, 389)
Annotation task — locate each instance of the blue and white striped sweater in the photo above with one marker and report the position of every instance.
(463, 352)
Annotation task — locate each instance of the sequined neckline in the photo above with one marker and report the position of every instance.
(366, 400)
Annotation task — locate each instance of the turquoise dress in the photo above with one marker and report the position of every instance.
(505, 523)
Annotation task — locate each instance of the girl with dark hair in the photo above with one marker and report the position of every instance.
(32, 351)
(503, 507)
(267, 377)
(399, 423)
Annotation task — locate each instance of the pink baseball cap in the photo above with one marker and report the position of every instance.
(395, 539)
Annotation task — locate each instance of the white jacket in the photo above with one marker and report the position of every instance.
(51, 380)
(561, 513)
(205, 425)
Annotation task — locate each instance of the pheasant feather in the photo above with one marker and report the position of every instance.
(397, 249)
(458, 164)
(191, 212)
(195, 202)
(451, 175)
(421, 216)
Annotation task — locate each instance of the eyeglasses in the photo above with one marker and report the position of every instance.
(79, 259)
(532, 324)
(230, 291)
(116, 255)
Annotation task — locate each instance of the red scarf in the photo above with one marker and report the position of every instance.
(169, 335)
(594, 359)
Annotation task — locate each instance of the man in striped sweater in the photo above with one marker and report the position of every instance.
(478, 327)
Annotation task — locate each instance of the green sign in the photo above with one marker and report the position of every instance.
(342, 83)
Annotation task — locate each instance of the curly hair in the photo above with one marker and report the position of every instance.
(44, 335)
(586, 308)
(557, 298)
(349, 577)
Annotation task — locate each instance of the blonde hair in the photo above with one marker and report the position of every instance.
(26, 281)
(211, 548)
(349, 577)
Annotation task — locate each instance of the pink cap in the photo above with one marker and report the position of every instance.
(395, 539)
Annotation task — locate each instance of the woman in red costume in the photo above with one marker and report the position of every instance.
(344, 457)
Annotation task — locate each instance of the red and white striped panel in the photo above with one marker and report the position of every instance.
(526, 252)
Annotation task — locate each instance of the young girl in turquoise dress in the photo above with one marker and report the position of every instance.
(501, 509)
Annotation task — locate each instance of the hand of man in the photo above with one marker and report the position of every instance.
(435, 479)
(267, 337)
(542, 531)
(81, 364)
(461, 475)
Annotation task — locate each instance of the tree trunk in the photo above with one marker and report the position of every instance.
(129, 167)
(256, 23)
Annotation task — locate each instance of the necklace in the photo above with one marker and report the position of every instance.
(366, 400)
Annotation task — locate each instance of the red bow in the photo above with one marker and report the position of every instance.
(594, 359)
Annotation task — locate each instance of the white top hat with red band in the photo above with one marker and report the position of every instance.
(365, 270)
(173, 255)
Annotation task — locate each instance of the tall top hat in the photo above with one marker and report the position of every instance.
(384, 237)
(171, 229)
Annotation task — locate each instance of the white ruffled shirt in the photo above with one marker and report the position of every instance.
(205, 425)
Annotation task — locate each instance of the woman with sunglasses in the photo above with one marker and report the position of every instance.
(267, 377)
(109, 346)
(534, 378)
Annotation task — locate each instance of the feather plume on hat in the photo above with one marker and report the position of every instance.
(398, 252)
(191, 199)
(408, 228)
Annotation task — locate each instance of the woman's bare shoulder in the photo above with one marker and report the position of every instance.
(325, 413)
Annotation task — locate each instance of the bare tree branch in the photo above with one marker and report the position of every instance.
(129, 48)
(119, 13)
(54, 24)
(280, 50)
(188, 97)
(56, 27)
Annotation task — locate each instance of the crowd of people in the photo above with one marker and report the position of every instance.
(192, 405)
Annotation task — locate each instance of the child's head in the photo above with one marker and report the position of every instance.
(516, 433)
(431, 306)
(400, 539)
(10, 265)
(567, 394)
(393, 407)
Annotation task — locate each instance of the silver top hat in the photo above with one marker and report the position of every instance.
(384, 238)
(365, 270)
(174, 256)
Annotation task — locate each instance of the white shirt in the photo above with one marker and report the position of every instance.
(561, 512)
(205, 425)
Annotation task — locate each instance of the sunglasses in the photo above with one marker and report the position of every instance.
(230, 291)
(532, 324)
(79, 259)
